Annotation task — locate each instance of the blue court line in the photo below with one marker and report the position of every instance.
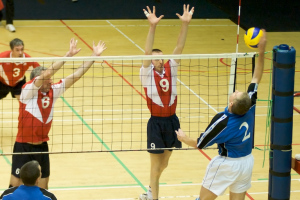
(104, 144)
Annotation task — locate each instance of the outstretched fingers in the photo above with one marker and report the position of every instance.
(73, 47)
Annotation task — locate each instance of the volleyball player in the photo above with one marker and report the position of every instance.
(232, 130)
(30, 175)
(36, 111)
(12, 75)
(159, 81)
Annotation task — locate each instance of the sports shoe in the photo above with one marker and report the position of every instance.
(144, 197)
(11, 28)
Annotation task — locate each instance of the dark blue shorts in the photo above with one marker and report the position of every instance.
(161, 133)
(19, 160)
(5, 89)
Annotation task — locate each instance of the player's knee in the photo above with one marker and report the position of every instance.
(164, 165)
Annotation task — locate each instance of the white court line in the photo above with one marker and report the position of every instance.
(125, 36)
(165, 197)
(177, 78)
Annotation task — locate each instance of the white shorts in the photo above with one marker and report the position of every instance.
(223, 172)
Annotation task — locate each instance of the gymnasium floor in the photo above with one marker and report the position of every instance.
(125, 175)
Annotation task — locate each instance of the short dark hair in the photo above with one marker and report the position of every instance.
(30, 172)
(15, 42)
(241, 105)
(37, 71)
(156, 50)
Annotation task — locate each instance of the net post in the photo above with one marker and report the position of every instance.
(284, 58)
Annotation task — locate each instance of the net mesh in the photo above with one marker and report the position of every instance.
(106, 110)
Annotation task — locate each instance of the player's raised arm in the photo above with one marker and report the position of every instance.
(185, 19)
(153, 21)
(259, 68)
(81, 70)
(47, 74)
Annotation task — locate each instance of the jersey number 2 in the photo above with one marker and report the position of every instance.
(247, 135)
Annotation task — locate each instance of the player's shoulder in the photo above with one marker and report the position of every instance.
(8, 191)
(48, 194)
(5, 54)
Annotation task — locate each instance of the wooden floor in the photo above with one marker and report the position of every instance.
(124, 175)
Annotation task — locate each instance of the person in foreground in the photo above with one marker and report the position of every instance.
(159, 82)
(30, 174)
(232, 130)
(37, 101)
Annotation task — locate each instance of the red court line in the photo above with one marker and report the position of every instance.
(32, 50)
(105, 61)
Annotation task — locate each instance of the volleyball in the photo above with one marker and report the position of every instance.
(252, 37)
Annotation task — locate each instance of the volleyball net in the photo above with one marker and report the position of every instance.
(106, 110)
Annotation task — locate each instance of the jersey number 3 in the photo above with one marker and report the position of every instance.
(247, 135)
(16, 72)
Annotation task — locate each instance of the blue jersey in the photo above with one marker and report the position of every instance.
(27, 193)
(233, 133)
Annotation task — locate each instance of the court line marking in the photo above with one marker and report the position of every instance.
(105, 145)
(94, 133)
(100, 26)
(103, 187)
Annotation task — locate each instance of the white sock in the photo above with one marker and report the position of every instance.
(149, 193)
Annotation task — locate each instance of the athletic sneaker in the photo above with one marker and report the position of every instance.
(144, 197)
(11, 28)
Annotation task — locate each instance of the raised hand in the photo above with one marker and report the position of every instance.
(73, 45)
(263, 41)
(187, 15)
(99, 48)
(153, 20)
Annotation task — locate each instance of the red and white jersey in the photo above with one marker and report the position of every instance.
(12, 73)
(161, 89)
(36, 112)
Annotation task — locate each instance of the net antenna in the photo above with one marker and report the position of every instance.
(233, 68)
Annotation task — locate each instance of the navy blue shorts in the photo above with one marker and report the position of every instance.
(5, 89)
(19, 160)
(161, 133)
